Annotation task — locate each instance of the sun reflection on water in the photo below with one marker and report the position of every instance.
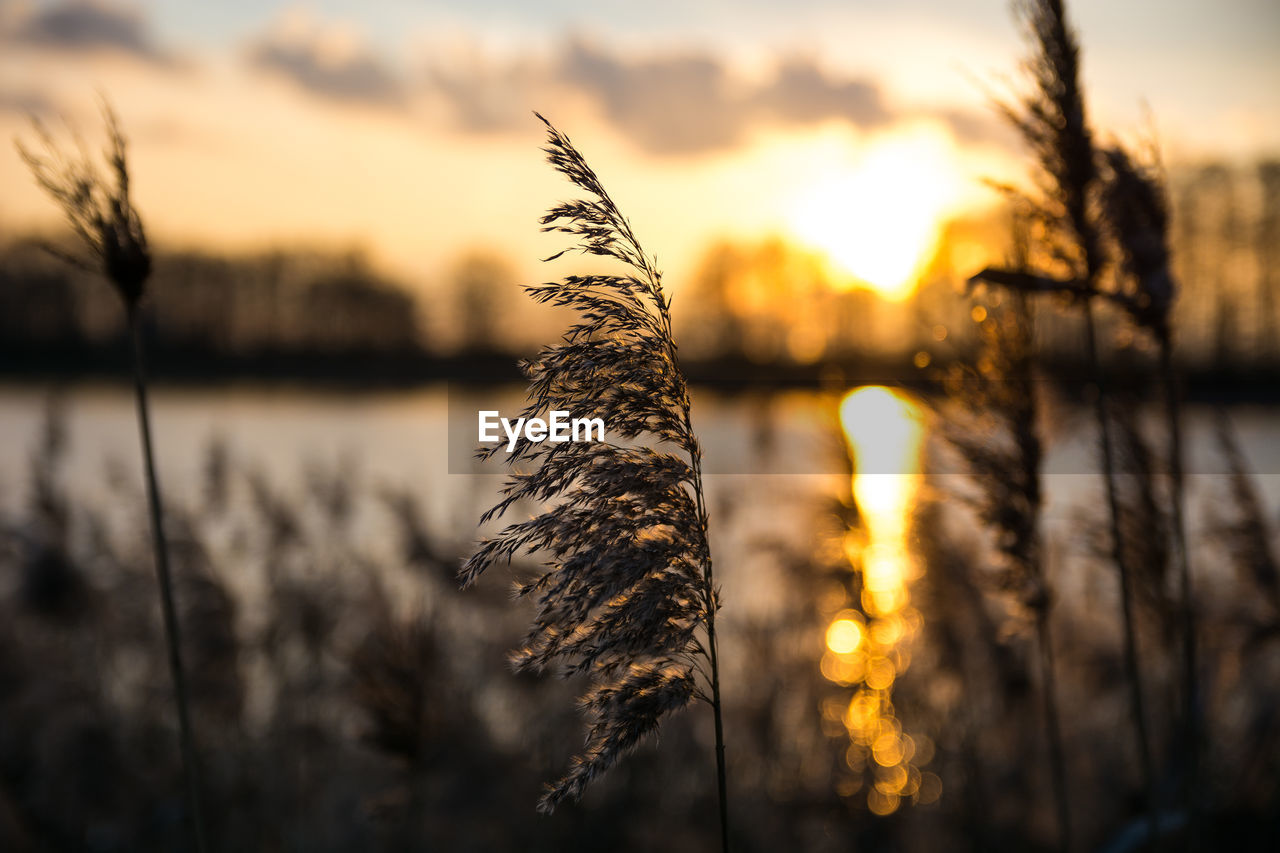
(869, 646)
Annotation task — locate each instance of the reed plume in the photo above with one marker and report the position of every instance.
(628, 597)
(994, 429)
(1136, 212)
(113, 243)
(1073, 261)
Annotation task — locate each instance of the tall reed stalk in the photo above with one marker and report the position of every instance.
(628, 597)
(993, 427)
(114, 244)
(1132, 664)
(1136, 210)
(1186, 590)
(1051, 119)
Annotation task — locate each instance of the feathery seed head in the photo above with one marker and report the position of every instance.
(98, 209)
(1137, 216)
(992, 424)
(626, 588)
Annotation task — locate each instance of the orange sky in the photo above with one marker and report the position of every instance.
(413, 137)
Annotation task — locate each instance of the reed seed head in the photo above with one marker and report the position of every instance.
(99, 208)
(626, 587)
(1137, 217)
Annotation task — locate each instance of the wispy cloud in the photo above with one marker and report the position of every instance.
(82, 25)
(328, 61)
(678, 103)
(801, 93)
(675, 104)
(672, 103)
(26, 103)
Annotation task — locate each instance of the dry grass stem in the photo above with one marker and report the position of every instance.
(114, 244)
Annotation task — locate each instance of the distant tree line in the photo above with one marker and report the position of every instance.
(769, 300)
(746, 303)
(274, 302)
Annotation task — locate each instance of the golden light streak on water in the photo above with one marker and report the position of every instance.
(843, 636)
(868, 648)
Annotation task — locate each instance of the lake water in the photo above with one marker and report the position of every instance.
(770, 459)
(423, 436)
(774, 465)
(773, 455)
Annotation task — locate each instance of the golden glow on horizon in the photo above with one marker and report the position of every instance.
(879, 219)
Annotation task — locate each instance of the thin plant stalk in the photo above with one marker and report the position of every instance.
(710, 597)
(1029, 449)
(712, 651)
(1131, 661)
(102, 215)
(1010, 499)
(721, 776)
(1136, 213)
(172, 633)
(1043, 612)
(1053, 729)
(1177, 498)
(1052, 120)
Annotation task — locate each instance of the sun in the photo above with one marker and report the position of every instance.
(877, 217)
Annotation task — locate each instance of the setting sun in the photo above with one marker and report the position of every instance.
(878, 218)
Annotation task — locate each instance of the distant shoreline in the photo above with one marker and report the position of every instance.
(354, 372)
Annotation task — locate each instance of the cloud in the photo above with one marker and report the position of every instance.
(678, 103)
(682, 103)
(328, 62)
(84, 25)
(26, 103)
(489, 97)
(671, 105)
(801, 93)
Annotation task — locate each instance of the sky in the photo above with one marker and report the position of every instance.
(406, 127)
